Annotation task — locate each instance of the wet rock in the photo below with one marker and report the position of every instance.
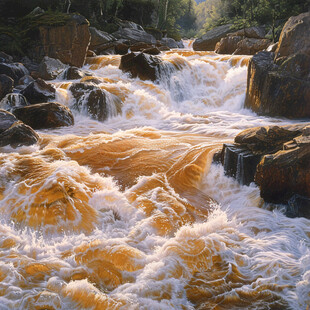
(90, 100)
(294, 37)
(39, 91)
(134, 36)
(227, 45)
(152, 51)
(171, 43)
(14, 132)
(13, 70)
(141, 65)
(278, 90)
(257, 32)
(140, 46)
(73, 73)
(6, 85)
(50, 68)
(121, 48)
(99, 39)
(5, 57)
(298, 206)
(68, 43)
(208, 41)
(250, 46)
(277, 158)
(12, 101)
(25, 80)
(45, 115)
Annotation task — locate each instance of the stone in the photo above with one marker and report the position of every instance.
(121, 48)
(25, 80)
(50, 68)
(171, 43)
(5, 57)
(39, 91)
(14, 132)
(140, 46)
(208, 41)
(250, 46)
(13, 70)
(227, 45)
(68, 43)
(257, 32)
(294, 37)
(152, 51)
(6, 85)
(12, 101)
(73, 73)
(134, 36)
(278, 90)
(99, 39)
(90, 100)
(146, 67)
(45, 115)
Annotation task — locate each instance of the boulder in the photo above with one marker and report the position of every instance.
(171, 43)
(12, 101)
(39, 91)
(99, 39)
(156, 33)
(134, 36)
(14, 132)
(45, 115)
(294, 37)
(90, 100)
(227, 45)
(257, 32)
(279, 90)
(277, 159)
(141, 65)
(6, 85)
(68, 42)
(13, 70)
(208, 41)
(152, 51)
(25, 80)
(140, 46)
(121, 48)
(250, 46)
(73, 73)
(50, 68)
(5, 57)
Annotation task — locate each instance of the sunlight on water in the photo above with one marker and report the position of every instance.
(130, 213)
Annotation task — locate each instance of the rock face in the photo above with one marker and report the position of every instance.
(280, 86)
(12, 101)
(45, 115)
(68, 43)
(99, 40)
(208, 41)
(50, 68)
(13, 70)
(227, 45)
(6, 85)
(134, 36)
(250, 46)
(39, 91)
(294, 37)
(277, 159)
(144, 66)
(171, 43)
(14, 132)
(90, 100)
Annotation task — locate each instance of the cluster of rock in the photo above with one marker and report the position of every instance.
(279, 83)
(277, 159)
(220, 39)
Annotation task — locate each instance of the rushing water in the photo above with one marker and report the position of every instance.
(130, 213)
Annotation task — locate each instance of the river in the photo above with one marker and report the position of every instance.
(131, 213)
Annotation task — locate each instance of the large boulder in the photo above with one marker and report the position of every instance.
(12, 101)
(134, 36)
(14, 132)
(227, 45)
(171, 43)
(50, 68)
(279, 84)
(257, 32)
(91, 100)
(208, 41)
(68, 42)
(279, 90)
(13, 70)
(277, 159)
(6, 85)
(294, 37)
(250, 46)
(144, 66)
(99, 40)
(39, 91)
(45, 115)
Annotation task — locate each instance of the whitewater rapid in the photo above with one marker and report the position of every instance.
(131, 213)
